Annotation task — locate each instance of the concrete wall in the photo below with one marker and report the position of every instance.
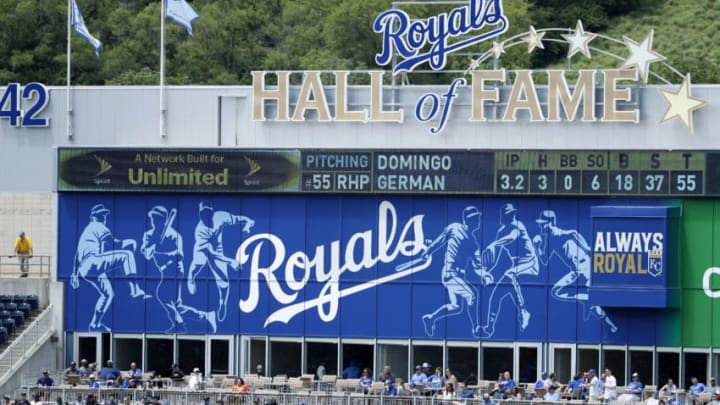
(30, 212)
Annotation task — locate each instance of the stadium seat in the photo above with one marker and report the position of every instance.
(2, 306)
(11, 306)
(33, 301)
(4, 314)
(4, 298)
(18, 317)
(8, 323)
(17, 298)
(3, 334)
(25, 308)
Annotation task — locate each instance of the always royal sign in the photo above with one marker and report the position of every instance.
(409, 43)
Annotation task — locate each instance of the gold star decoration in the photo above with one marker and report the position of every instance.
(498, 49)
(534, 39)
(579, 41)
(681, 104)
(641, 55)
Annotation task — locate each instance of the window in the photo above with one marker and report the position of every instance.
(87, 349)
(160, 354)
(220, 356)
(668, 367)
(285, 358)
(614, 359)
(589, 359)
(641, 362)
(496, 360)
(256, 354)
(324, 353)
(361, 354)
(191, 354)
(128, 350)
(562, 364)
(463, 361)
(527, 364)
(395, 356)
(431, 354)
(695, 366)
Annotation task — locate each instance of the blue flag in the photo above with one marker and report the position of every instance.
(78, 23)
(181, 12)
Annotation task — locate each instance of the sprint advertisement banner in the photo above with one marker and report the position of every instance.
(388, 267)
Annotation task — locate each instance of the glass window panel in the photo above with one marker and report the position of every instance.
(432, 355)
(318, 353)
(285, 358)
(219, 356)
(562, 361)
(127, 350)
(615, 361)
(191, 354)
(360, 354)
(87, 348)
(160, 356)
(528, 364)
(463, 361)
(589, 359)
(695, 366)
(257, 355)
(668, 367)
(496, 360)
(641, 362)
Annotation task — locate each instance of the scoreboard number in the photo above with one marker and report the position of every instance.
(12, 101)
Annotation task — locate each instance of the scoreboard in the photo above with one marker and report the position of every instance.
(485, 172)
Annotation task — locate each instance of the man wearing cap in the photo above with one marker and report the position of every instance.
(418, 379)
(98, 253)
(513, 242)
(164, 246)
(109, 372)
(460, 241)
(45, 380)
(426, 369)
(594, 385)
(487, 400)
(196, 379)
(24, 251)
(72, 369)
(390, 388)
(540, 383)
(574, 253)
(23, 400)
(633, 390)
(208, 251)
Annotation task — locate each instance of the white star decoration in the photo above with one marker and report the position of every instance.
(579, 41)
(641, 55)
(681, 104)
(534, 39)
(498, 49)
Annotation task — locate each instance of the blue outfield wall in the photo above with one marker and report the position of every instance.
(350, 266)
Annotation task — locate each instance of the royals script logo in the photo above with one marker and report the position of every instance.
(430, 40)
(362, 251)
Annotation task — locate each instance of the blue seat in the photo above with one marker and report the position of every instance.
(25, 308)
(33, 301)
(18, 298)
(9, 324)
(18, 317)
(2, 306)
(3, 334)
(4, 314)
(4, 298)
(11, 306)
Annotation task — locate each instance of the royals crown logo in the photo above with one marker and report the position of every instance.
(655, 266)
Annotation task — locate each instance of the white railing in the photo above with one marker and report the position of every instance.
(24, 345)
(38, 266)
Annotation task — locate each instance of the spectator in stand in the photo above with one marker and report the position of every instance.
(712, 387)
(390, 388)
(320, 371)
(575, 387)
(196, 379)
(24, 251)
(240, 386)
(351, 371)
(176, 374)
(111, 400)
(426, 369)
(6, 400)
(449, 391)
(437, 381)
(667, 393)
(540, 383)
(552, 394)
(487, 400)
(387, 374)
(72, 369)
(450, 379)
(45, 380)
(465, 392)
(505, 388)
(633, 390)
(418, 379)
(109, 372)
(696, 388)
(259, 370)
(90, 400)
(366, 380)
(593, 386)
(134, 375)
(36, 400)
(23, 400)
(92, 383)
(610, 386)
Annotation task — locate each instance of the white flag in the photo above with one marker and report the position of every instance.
(181, 12)
(78, 22)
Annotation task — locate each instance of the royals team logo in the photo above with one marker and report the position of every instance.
(655, 263)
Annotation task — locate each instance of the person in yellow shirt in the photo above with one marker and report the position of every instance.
(24, 251)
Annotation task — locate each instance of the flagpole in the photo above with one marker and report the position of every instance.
(69, 129)
(163, 126)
